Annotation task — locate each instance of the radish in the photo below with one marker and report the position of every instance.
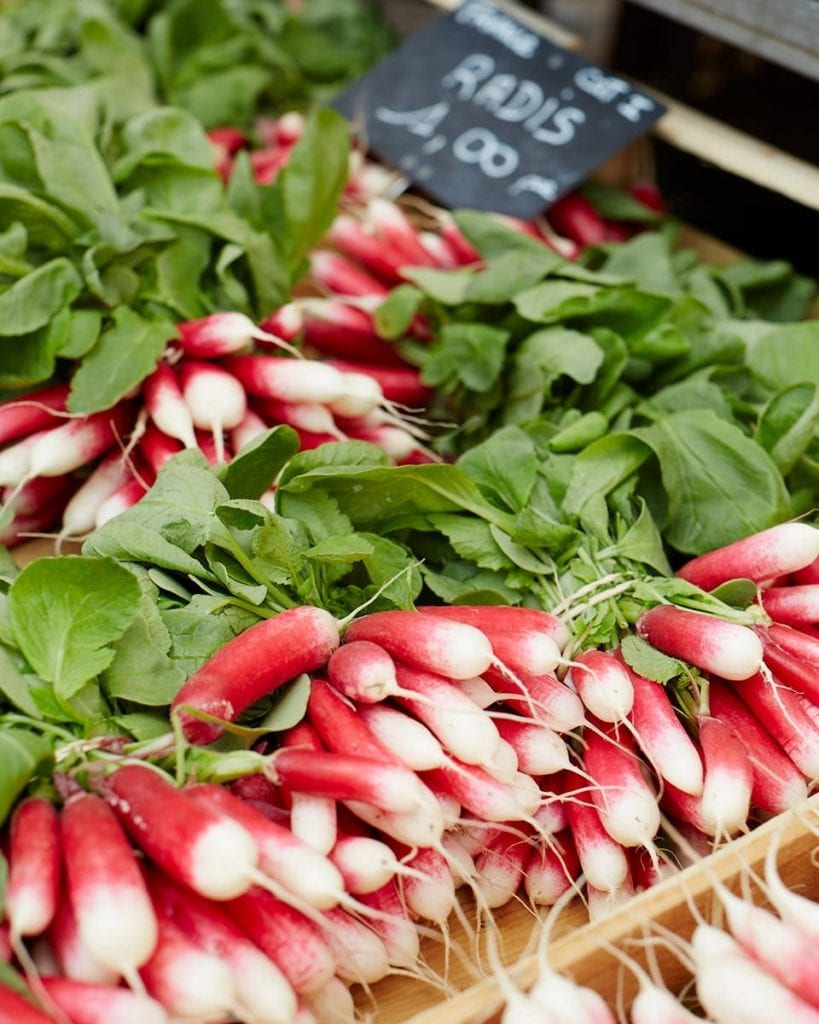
(479, 692)
(503, 619)
(362, 671)
(121, 500)
(499, 869)
(261, 989)
(627, 805)
(15, 1009)
(361, 956)
(761, 557)
(664, 741)
(215, 399)
(387, 786)
(422, 641)
(221, 334)
(339, 329)
(810, 574)
(475, 789)
(20, 417)
(414, 829)
(400, 444)
(603, 685)
(726, 792)
(655, 1005)
(100, 1004)
(462, 729)
(157, 448)
(551, 871)
(792, 606)
(34, 868)
(166, 406)
(15, 461)
(365, 864)
(779, 947)
(791, 670)
(428, 887)
(392, 226)
(39, 493)
(399, 384)
(439, 249)
(796, 910)
(114, 915)
(313, 819)
(394, 926)
(339, 274)
(287, 322)
(734, 989)
(407, 739)
(75, 959)
(187, 981)
(250, 427)
(312, 417)
(282, 855)
(66, 448)
(539, 750)
(575, 217)
(80, 514)
(603, 860)
(796, 642)
(724, 648)
(377, 257)
(362, 397)
(252, 665)
(543, 698)
(780, 712)
(288, 380)
(453, 235)
(295, 944)
(199, 846)
(777, 783)
(332, 1004)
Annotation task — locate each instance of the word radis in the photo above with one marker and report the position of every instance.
(480, 111)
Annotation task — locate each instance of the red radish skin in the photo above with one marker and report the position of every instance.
(396, 928)
(726, 793)
(313, 819)
(777, 782)
(114, 915)
(467, 254)
(792, 671)
(576, 218)
(282, 856)
(346, 332)
(157, 447)
(394, 228)
(295, 944)
(709, 643)
(384, 785)
(808, 575)
(362, 671)
(430, 890)
(792, 606)
(34, 868)
(218, 334)
(121, 500)
(500, 619)
(525, 651)
(186, 980)
(261, 989)
(627, 805)
(603, 685)
(551, 870)
(340, 727)
(199, 846)
(14, 1009)
(761, 557)
(778, 709)
(251, 427)
(398, 384)
(287, 322)
(378, 258)
(40, 492)
(35, 411)
(477, 791)
(662, 737)
(166, 405)
(254, 664)
(101, 1004)
(344, 277)
(796, 642)
(539, 750)
(312, 417)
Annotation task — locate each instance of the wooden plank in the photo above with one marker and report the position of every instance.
(783, 31)
(538, 22)
(736, 152)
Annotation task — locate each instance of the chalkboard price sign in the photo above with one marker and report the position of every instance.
(478, 110)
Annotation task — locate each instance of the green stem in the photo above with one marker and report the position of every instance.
(34, 723)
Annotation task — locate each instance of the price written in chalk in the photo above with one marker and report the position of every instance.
(479, 110)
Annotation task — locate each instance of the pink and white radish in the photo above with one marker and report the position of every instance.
(603, 685)
(215, 399)
(221, 334)
(33, 883)
(85, 1003)
(81, 512)
(792, 606)
(761, 557)
(409, 740)
(35, 411)
(166, 405)
(724, 648)
(115, 918)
